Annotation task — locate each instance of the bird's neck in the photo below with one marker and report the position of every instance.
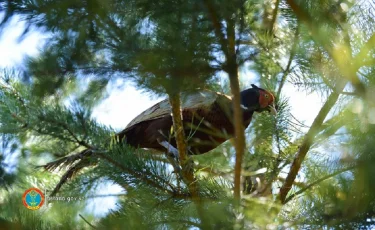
(249, 101)
(246, 116)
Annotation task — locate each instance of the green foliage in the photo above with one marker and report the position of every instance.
(316, 47)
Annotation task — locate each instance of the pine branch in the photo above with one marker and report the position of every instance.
(348, 71)
(318, 181)
(71, 133)
(88, 157)
(39, 131)
(85, 158)
(341, 55)
(308, 141)
(139, 175)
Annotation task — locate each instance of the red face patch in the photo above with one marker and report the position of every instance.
(265, 99)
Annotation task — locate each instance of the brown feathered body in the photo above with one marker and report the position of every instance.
(207, 121)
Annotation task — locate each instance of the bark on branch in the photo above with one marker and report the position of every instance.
(239, 134)
(185, 160)
(232, 70)
(178, 127)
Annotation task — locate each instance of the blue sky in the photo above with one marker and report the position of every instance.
(122, 105)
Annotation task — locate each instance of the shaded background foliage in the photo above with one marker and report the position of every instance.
(170, 46)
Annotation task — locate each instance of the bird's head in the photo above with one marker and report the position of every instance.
(258, 99)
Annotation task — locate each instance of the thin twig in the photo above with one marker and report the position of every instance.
(241, 27)
(217, 26)
(87, 221)
(288, 66)
(71, 133)
(80, 142)
(298, 121)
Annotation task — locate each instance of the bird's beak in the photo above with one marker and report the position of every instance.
(272, 110)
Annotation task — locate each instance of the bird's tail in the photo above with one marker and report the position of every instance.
(73, 163)
(78, 161)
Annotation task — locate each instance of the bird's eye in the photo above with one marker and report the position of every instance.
(266, 96)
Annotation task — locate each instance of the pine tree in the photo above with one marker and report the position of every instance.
(311, 176)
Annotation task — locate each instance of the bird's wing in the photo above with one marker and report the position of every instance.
(156, 111)
(201, 99)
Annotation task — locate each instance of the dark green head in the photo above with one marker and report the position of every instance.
(258, 99)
